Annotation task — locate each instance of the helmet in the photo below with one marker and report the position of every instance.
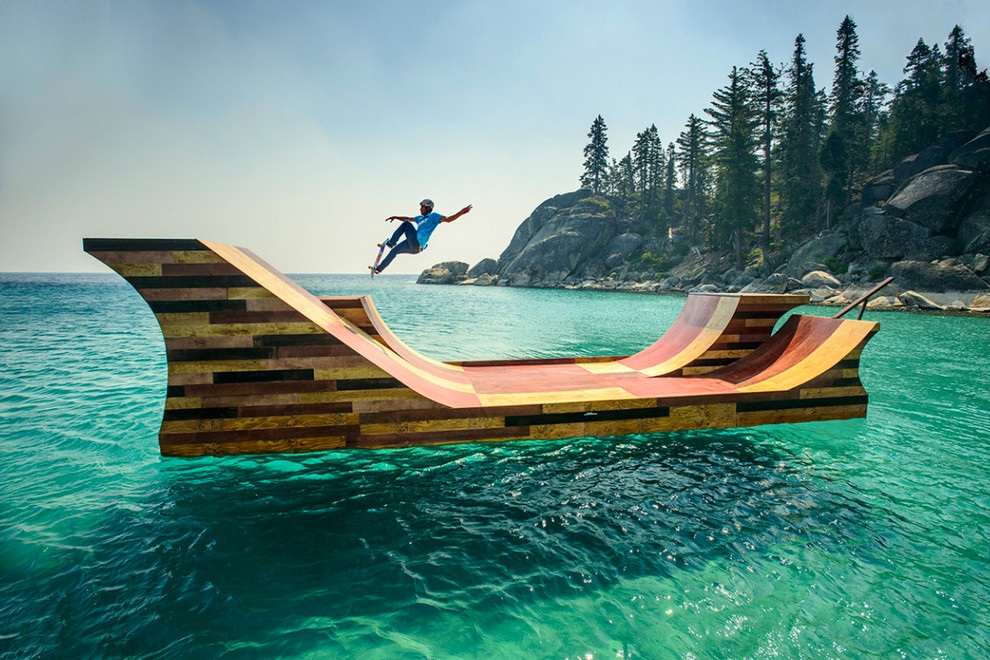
(427, 202)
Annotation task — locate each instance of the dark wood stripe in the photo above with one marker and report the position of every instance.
(599, 416)
(141, 244)
(369, 384)
(269, 376)
(204, 354)
(178, 306)
(759, 406)
(282, 316)
(283, 433)
(346, 302)
(297, 340)
(430, 414)
(182, 414)
(172, 270)
(190, 282)
(207, 390)
(736, 346)
(712, 362)
(312, 351)
(281, 410)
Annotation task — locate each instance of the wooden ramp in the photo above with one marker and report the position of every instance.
(258, 364)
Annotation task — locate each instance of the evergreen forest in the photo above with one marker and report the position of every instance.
(775, 159)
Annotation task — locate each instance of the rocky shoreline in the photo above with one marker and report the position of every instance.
(822, 288)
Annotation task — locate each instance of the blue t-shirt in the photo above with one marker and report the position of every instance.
(425, 224)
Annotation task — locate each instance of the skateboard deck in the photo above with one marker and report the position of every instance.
(378, 258)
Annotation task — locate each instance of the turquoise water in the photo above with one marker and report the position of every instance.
(865, 538)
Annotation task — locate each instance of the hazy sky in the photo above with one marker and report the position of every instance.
(295, 128)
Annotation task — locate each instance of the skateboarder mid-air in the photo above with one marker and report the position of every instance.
(416, 231)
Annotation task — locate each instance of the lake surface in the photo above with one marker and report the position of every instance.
(864, 538)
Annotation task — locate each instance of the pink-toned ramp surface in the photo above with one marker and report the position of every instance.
(257, 363)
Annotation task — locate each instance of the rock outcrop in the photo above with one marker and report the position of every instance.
(566, 237)
(448, 272)
(939, 208)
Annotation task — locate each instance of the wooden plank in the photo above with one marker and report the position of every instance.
(114, 258)
(99, 245)
(138, 270)
(796, 415)
(191, 269)
(433, 425)
(217, 366)
(439, 437)
(524, 398)
(206, 329)
(285, 446)
(256, 423)
(194, 293)
(719, 415)
(248, 293)
(284, 433)
(201, 256)
(589, 406)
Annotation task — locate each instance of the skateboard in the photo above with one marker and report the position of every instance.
(381, 251)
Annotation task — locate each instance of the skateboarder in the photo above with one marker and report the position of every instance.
(416, 231)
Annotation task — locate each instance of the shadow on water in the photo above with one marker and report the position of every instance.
(400, 537)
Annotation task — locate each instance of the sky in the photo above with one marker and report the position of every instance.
(294, 128)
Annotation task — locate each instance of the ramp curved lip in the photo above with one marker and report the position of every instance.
(701, 322)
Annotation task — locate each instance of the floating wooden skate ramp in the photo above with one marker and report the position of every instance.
(258, 364)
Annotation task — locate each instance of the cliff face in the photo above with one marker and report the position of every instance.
(566, 238)
(932, 205)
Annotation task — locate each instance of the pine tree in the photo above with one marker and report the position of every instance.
(966, 101)
(975, 106)
(916, 121)
(693, 160)
(953, 71)
(800, 173)
(669, 185)
(595, 157)
(641, 161)
(767, 98)
(627, 181)
(734, 125)
(844, 155)
(875, 119)
(648, 167)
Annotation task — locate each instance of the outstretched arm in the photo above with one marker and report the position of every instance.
(398, 217)
(451, 218)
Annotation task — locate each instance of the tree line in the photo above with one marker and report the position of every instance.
(776, 158)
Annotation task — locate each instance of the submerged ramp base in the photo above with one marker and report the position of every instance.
(257, 364)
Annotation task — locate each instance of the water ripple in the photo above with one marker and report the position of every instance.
(863, 538)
